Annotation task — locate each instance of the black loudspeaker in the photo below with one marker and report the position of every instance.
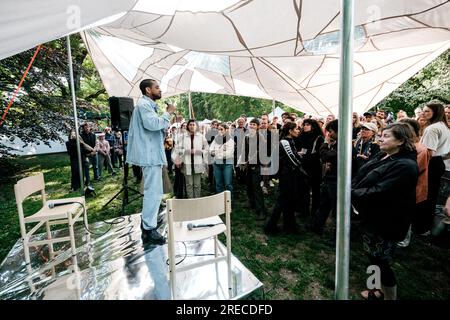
(121, 109)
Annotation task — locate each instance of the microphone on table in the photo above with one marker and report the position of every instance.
(52, 204)
(191, 226)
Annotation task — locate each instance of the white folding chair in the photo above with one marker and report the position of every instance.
(48, 214)
(206, 210)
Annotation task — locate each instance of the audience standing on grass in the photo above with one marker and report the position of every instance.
(436, 138)
(292, 182)
(328, 190)
(419, 216)
(398, 170)
(85, 150)
(222, 151)
(191, 153)
(251, 164)
(384, 194)
(103, 150)
(366, 147)
(90, 139)
(308, 145)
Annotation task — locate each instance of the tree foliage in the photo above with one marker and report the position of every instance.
(224, 107)
(431, 83)
(43, 106)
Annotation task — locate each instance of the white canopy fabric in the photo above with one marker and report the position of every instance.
(277, 112)
(276, 49)
(25, 24)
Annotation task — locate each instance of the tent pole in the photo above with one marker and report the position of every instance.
(74, 104)
(273, 107)
(190, 104)
(344, 151)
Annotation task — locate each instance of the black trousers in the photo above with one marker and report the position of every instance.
(387, 275)
(314, 185)
(436, 169)
(169, 160)
(75, 174)
(113, 157)
(420, 219)
(310, 194)
(137, 172)
(286, 204)
(211, 181)
(179, 184)
(328, 198)
(254, 192)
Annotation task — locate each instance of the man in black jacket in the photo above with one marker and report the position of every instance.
(210, 135)
(328, 190)
(250, 164)
(238, 136)
(89, 138)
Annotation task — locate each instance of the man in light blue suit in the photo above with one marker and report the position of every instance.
(146, 149)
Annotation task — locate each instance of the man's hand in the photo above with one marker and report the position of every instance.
(171, 108)
(447, 207)
(362, 156)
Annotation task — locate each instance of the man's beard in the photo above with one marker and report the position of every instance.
(156, 97)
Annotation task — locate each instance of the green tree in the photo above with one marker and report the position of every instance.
(43, 105)
(431, 83)
(224, 107)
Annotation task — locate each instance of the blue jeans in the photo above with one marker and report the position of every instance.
(86, 173)
(94, 161)
(223, 174)
(153, 193)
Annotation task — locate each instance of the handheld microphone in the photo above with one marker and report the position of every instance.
(52, 204)
(191, 226)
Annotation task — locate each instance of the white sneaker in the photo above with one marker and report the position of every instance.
(264, 190)
(403, 244)
(406, 241)
(261, 184)
(271, 184)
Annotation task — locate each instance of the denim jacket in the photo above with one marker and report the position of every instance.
(146, 134)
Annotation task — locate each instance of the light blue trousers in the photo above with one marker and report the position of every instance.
(153, 193)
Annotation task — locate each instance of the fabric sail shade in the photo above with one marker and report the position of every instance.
(274, 49)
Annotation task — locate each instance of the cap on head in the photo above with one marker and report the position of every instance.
(371, 126)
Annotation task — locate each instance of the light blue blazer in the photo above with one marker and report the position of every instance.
(146, 134)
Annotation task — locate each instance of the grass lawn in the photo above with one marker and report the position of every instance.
(290, 266)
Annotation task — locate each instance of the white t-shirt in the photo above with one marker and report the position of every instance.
(436, 137)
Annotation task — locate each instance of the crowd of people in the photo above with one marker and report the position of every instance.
(97, 150)
(398, 163)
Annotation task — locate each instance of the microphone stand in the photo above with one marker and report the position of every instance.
(125, 188)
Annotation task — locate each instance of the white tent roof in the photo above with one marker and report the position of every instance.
(276, 49)
(276, 112)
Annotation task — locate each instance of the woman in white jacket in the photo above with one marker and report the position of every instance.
(222, 153)
(191, 152)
